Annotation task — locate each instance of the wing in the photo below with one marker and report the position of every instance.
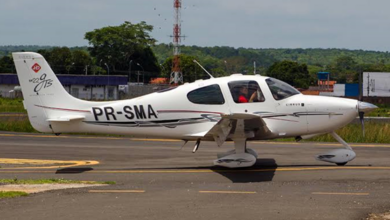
(66, 118)
(254, 127)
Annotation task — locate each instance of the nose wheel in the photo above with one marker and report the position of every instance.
(339, 156)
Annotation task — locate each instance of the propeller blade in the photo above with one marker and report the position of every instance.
(196, 146)
(184, 144)
(361, 117)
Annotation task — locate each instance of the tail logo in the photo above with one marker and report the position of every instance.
(41, 82)
(36, 67)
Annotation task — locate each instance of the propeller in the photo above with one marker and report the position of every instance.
(364, 107)
(361, 117)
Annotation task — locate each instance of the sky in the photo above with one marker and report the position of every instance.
(350, 24)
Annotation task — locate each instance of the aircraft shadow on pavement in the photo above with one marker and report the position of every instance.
(238, 175)
(74, 170)
(245, 175)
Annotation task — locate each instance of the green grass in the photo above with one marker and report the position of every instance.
(50, 181)
(383, 110)
(11, 105)
(374, 133)
(16, 125)
(12, 194)
(352, 133)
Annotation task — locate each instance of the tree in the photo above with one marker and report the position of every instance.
(80, 60)
(60, 60)
(7, 65)
(291, 72)
(117, 45)
(344, 67)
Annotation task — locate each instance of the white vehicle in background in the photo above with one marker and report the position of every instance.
(239, 108)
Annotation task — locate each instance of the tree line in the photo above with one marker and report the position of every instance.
(129, 49)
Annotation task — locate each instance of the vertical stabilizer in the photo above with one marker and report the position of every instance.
(43, 93)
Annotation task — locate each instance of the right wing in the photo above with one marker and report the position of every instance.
(226, 128)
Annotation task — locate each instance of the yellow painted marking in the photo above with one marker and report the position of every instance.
(275, 143)
(346, 194)
(174, 140)
(240, 171)
(141, 139)
(229, 192)
(4, 170)
(51, 163)
(116, 191)
(86, 137)
(320, 144)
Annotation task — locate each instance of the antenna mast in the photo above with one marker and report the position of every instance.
(176, 74)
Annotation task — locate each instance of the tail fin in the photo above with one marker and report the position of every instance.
(43, 93)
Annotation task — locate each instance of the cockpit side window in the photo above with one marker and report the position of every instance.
(245, 91)
(208, 95)
(280, 90)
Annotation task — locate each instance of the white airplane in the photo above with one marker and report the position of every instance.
(239, 108)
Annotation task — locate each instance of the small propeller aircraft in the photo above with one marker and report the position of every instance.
(238, 108)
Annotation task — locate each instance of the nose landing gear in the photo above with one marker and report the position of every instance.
(339, 156)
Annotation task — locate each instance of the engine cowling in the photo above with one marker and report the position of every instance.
(338, 156)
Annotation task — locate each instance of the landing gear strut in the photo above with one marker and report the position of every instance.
(338, 156)
(240, 156)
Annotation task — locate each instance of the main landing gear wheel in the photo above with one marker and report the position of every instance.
(241, 156)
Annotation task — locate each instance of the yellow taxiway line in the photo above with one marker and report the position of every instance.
(87, 137)
(173, 140)
(242, 171)
(287, 169)
(50, 164)
(116, 191)
(345, 194)
(229, 192)
(321, 144)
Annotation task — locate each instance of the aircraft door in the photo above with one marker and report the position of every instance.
(246, 96)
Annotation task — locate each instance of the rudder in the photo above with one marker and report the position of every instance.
(41, 90)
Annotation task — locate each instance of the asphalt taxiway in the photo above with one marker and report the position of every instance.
(158, 180)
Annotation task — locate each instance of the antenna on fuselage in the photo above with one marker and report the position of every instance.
(211, 76)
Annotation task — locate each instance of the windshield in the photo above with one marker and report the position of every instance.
(280, 90)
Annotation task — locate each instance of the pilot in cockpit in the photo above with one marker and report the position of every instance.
(257, 95)
(254, 90)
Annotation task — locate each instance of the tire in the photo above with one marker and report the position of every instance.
(341, 164)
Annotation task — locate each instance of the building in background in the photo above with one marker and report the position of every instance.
(376, 84)
(80, 86)
(374, 88)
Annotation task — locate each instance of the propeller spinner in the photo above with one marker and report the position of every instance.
(364, 107)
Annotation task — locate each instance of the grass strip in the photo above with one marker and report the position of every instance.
(11, 105)
(17, 125)
(51, 181)
(12, 194)
(375, 132)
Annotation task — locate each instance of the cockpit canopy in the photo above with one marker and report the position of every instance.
(280, 90)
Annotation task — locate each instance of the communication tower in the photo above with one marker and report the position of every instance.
(176, 74)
